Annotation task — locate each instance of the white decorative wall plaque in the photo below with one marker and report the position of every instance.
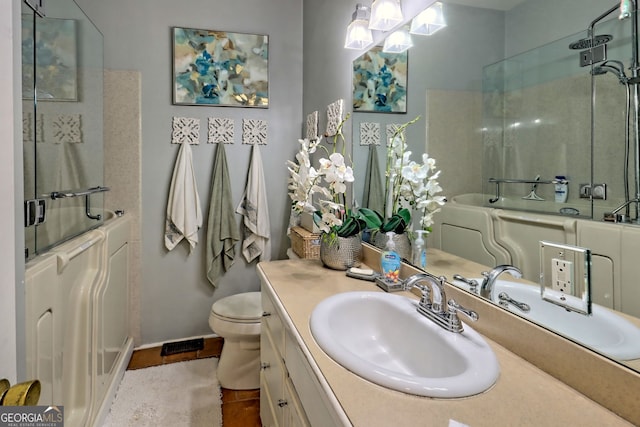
(254, 131)
(391, 129)
(312, 126)
(28, 127)
(221, 130)
(369, 133)
(66, 128)
(185, 129)
(334, 117)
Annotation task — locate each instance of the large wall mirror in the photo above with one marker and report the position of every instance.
(522, 50)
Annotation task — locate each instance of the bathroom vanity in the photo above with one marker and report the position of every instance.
(301, 385)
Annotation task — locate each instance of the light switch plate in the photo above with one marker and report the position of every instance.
(565, 276)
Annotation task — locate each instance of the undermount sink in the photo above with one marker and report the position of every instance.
(382, 338)
(603, 330)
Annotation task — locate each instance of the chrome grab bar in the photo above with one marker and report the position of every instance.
(498, 181)
(80, 193)
(527, 181)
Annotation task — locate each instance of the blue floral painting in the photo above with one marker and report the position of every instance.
(380, 82)
(219, 68)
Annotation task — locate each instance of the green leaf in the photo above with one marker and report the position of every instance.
(371, 218)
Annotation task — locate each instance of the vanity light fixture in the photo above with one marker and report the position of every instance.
(385, 14)
(397, 42)
(358, 33)
(429, 20)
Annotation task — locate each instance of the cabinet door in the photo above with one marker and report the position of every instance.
(272, 377)
(293, 413)
(267, 411)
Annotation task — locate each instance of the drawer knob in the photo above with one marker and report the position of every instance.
(265, 365)
(266, 314)
(282, 403)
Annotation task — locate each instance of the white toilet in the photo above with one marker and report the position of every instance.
(236, 318)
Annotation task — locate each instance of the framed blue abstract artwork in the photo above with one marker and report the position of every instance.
(219, 68)
(380, 82)
(54, 50)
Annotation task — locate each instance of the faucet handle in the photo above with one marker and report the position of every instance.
(454, 308)
(473, 284)
(425, 300)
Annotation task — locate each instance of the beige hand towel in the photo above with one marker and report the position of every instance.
(184, 215)
(222, 229)
(255, 211)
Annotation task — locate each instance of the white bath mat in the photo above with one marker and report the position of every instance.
(177, 394)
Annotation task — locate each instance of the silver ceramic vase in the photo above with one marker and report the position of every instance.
(402, 241)
(341, 253)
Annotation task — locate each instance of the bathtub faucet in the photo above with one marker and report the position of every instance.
(486, 288)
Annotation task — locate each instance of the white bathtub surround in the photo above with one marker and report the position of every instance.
(222, 230)
(184, 214)
(255, 211)
(176, 394)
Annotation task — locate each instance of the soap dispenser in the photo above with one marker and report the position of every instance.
(390, 260)
(419, 251)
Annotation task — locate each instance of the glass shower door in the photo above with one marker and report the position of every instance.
(62, 107)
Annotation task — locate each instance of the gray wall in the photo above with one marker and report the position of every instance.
(175, 295)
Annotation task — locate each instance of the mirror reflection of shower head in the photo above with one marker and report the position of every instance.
(586, 42)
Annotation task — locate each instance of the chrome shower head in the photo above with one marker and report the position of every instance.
(586, 42)
(607, 67)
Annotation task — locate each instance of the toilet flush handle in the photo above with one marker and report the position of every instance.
(266, 314)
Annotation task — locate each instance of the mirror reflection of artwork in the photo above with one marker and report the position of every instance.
(220, 68)
(55, 68)
(380, 82)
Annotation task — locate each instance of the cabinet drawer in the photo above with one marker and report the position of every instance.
(271, 319)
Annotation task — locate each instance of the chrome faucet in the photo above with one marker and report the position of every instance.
(431, 304)
(486, 288)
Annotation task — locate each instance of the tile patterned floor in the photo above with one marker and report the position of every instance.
(240, 408)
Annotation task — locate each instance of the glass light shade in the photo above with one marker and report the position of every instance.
(358, 35)
(385, 14)
(397, 42)
(429, 20)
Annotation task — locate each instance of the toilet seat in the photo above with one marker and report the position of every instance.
(240, 308)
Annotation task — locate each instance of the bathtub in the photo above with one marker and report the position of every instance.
(493, 235)
(77, 305)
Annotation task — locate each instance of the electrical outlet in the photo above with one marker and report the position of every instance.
(562, 275)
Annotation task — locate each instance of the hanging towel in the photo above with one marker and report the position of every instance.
(184, 216)
(253, 207)
(373, 196)
(222, 229)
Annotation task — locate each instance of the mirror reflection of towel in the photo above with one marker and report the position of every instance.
(184, 215)
(255, 211)
(222, 229)
(373, 194)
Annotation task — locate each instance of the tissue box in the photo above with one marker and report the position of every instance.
(307, 222)
(304, 243)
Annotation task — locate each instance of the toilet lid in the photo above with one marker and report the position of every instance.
(244, 306)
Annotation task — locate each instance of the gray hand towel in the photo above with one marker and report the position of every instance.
(222, 230)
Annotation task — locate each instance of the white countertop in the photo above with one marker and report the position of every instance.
(523, 395)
